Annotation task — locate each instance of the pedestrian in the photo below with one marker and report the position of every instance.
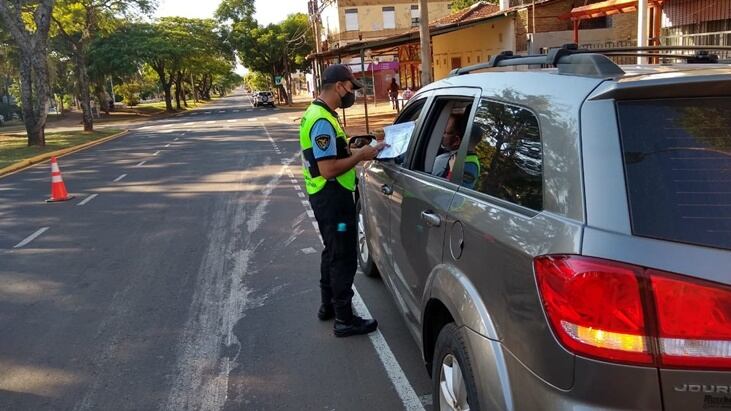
(330, 180)
(393, 94)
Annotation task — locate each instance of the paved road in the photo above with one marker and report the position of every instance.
(183, 276)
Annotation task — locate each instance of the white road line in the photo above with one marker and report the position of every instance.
(308, 250)
(156, 153)
(190, 123)
(119, 178)
(193, 114)
(221, 111)
(236, 111)
(273, 119)
(310, 213)
(176, 139)
(297, 187)
(317, 228)
(208, 112)
(293, 117)
(167, 145)
(290, 174)
(141, 163)
(393, 368)
(305, 203)
(210, 122)
(301, 195)
(166, 125)
(231, 121)
(31, 237)
(144, 128)
(253, 119)
(167, 131)
(293, 181)
(91, 197)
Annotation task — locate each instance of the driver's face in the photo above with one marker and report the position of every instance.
(450, 138)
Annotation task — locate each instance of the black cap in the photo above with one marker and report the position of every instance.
(339, 72)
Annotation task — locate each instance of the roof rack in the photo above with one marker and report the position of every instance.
(592, 62)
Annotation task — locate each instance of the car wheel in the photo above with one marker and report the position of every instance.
(454, 384)
(365, 262)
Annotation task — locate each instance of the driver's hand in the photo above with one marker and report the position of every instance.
(365, 153)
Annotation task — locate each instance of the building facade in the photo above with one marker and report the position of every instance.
(348, 21)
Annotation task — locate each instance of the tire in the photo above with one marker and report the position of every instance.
(365, 261)
(451, 347)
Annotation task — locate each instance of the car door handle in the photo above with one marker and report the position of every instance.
(431, 219)
(386, 189)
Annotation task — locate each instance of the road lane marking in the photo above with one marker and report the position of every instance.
(166, 125)
(210, 122)
(290, 174)
(394, 371)
(208, 112)
(317, 228)
(167, 131)
(293, 181)
(193, 114)
(190, 123)
(231, 121)
(31, 237)
(236, 111)
(301, 195)
(156, 153)
(308, 250)
(176, 139)
(249, 109)
(91, 197)
(221, 111)
(119, 178)
(144, 128)
(141, 163)
(310, 213)
(167, 145)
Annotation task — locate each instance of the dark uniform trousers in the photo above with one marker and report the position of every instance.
(334, 209)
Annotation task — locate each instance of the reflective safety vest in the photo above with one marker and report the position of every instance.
(314, 182)
(471, 158)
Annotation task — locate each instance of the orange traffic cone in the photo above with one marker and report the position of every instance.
(58, 188)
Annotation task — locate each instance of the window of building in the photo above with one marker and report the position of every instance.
(389, 18)
(505, 145)
(351, 19)
(415, 15)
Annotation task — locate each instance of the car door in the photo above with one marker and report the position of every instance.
(378, 177)
(420, 201)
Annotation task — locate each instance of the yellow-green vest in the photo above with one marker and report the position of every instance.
(314, 182)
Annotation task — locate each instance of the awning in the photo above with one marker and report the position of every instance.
(605, 8)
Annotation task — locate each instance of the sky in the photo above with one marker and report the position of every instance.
(267, 11)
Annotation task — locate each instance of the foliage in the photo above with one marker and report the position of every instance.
(458, 5)
(255, 80)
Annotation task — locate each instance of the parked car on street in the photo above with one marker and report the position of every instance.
(262, 98)
(574, 251)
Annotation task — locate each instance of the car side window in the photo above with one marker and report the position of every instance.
(505, 155)
(439, 143)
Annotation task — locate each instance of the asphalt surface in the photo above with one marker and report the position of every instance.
(183, 276)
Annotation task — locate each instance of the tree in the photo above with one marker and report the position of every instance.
(28, 23)
(78, 23)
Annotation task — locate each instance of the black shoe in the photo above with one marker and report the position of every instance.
(357, 326)
(326, 312)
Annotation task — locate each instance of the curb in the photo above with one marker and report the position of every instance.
(21, 165)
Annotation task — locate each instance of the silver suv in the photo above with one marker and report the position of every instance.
(261, 98)
(561, 238)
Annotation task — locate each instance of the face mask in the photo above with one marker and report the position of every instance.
(347, 100)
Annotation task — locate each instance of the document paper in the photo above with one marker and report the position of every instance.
(397, 138)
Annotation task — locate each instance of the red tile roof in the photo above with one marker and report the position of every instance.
(476, 11)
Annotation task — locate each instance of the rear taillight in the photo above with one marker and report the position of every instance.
(622, 313)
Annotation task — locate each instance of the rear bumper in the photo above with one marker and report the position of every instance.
(504, 383)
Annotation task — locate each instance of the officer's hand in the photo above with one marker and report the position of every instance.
(365, 153)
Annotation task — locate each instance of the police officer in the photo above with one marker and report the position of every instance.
(329, 172)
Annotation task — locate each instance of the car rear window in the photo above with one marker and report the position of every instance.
(677, 159)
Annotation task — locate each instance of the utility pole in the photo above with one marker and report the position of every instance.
(425, 42)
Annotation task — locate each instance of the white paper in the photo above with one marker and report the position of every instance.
(397, 138)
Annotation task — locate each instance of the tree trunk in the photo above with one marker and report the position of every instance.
(85, 95)
(178, 90)
(33, 47)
